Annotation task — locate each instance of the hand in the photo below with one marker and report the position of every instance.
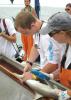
(26, 76)
(23, 77)
(27, 67)
(2, 33)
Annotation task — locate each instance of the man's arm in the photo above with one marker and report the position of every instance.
(11, 38)
(49, 68)
(52, 54)
(9, 27)
(33, 56)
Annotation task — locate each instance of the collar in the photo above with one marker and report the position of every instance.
(42, 26)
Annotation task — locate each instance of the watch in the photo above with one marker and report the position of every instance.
(29, 62)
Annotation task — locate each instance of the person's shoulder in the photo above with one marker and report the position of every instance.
(8, 21)
(23, 9)
(32, 8)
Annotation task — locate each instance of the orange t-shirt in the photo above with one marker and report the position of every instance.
(65, 77)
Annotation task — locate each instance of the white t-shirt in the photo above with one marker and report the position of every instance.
(6, 47)
(48, 49)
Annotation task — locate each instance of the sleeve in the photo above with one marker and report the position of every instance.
(52, 52)
(10, 26)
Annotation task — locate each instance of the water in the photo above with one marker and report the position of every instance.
(46, 12)
(12, 11)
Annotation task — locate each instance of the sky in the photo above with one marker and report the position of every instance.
(50, 3)
(57, 3)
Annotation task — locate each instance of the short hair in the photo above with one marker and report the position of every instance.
(29, 0)
(68, 5)
(24, 20)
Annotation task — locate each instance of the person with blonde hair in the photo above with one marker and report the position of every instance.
(27, 41)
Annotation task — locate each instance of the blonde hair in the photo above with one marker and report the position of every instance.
(24, 20)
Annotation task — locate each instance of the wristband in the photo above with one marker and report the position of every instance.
(29, 63)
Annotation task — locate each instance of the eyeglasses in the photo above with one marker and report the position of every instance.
(53, 33)
(67, 9)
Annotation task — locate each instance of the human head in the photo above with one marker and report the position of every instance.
(25, 22)
(59, 27)
(68, 8)
(27, 2)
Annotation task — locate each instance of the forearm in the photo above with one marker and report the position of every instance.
(11, 38)
(33, 55)
(69, 92)
(49, 68)
(56, 74)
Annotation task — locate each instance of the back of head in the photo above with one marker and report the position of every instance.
(60, 21)
(24, 20)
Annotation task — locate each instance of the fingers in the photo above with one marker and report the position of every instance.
(23, 77)
(26, 69)
(18, 76)
(27, 76)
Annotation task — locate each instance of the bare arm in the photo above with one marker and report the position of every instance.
(11, 38)
(56, 74)
(33, 56)
(69, 92)
(49, 68)
(10, 29)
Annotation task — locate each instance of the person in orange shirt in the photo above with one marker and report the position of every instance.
(27, 40)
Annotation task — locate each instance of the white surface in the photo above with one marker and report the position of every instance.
(10, 90)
